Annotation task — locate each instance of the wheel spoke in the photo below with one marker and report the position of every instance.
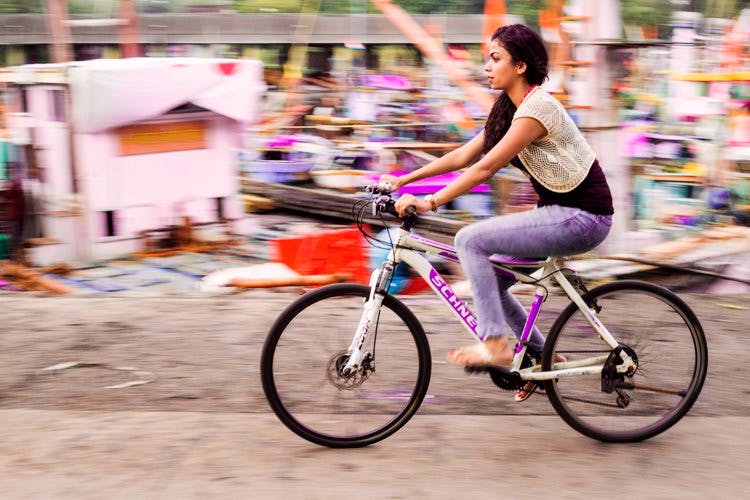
(662, 390)
(306, 388)
(662, 337)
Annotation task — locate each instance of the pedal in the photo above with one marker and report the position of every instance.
(477, 370)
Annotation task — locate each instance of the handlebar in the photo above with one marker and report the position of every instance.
(384, 202)
(382, 188)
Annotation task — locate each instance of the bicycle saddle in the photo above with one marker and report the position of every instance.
(518, 261)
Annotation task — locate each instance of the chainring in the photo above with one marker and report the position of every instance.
(508, 381)
(505, 380)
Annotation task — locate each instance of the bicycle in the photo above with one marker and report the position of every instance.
(624, 382)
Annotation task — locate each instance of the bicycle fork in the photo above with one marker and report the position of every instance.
(370, 313)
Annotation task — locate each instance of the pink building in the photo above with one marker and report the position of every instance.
(112, 147)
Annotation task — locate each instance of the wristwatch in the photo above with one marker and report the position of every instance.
(433, 201)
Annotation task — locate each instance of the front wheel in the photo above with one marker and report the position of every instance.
(657, 330)
(306, 349)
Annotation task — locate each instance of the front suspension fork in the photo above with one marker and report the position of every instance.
(379, 280)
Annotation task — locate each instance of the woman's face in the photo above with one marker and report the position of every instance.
(501, 71)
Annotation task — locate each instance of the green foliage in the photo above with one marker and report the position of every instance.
(98, 7)
(646, 12)
(634, 12)
(258, 6)
(529, 10)
(362, 6)
(21, 6)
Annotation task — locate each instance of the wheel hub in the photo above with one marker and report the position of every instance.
(353, 379)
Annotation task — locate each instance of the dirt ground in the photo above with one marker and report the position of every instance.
(186, 418)
(202, 353)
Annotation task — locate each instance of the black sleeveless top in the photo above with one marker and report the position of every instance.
(592, 194)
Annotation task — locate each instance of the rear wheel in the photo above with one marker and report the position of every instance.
(658, 331)
(303, 357)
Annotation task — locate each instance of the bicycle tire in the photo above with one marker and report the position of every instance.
(662, 324)
(285, 397)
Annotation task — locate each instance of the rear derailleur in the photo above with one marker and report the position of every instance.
(614, 381)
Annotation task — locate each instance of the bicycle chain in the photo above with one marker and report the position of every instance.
(586, 401)
(595, 403)
(502, 384)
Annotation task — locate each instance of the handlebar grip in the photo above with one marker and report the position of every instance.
(411, 210)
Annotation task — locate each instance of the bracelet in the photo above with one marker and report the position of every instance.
(433, 201)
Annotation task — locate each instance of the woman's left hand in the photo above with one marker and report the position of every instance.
(407, 200)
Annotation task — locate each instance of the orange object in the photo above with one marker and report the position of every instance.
(147, 138)
(415, 285)
(340, 251)
(433, 50)
(30, 279)
(494, 17)
(315, 280)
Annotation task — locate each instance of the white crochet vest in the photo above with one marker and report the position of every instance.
(561, 159)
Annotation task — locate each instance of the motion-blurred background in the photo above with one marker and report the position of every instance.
(150, 126)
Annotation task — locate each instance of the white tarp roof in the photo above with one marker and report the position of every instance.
(109, 93)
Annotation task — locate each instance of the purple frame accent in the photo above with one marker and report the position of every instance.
(461, 309)
(518, 261)
(468, 318)
(433, 243)
(449, 255)
(536, 306)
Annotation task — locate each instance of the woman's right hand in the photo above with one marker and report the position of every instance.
(394, 181)
(409, 200)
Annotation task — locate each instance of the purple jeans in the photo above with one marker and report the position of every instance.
(552, 230)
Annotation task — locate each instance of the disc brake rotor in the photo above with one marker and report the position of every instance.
(349, 381)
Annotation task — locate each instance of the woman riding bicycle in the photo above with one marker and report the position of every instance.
(531, 130)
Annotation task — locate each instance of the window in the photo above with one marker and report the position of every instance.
(219, 208)
(24, 99)
(12, 99)
(109, 221)
(57, 105)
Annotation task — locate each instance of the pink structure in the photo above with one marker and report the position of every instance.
(121, 146)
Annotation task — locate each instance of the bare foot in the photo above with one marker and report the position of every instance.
(495, 351)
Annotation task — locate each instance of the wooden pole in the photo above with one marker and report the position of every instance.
(30, 279)
(310, 280)
(129, 46)
(494, 17)
(432, 49)
(57, 16)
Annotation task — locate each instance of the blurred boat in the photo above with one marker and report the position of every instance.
(345, 180)
(284, 158)
(351, 168)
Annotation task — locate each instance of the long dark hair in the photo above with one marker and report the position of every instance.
(523, 45)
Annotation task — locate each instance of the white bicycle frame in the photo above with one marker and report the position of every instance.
(407, 248)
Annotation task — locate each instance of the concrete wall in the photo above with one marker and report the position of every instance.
(20, 29)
